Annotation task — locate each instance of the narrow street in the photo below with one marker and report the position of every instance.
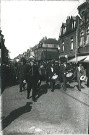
(58, 112)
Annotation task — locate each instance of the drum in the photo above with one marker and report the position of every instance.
(69, 76)
(54, 77)
(83, 78)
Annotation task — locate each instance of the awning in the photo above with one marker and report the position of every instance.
(86, 59)
(77, 59)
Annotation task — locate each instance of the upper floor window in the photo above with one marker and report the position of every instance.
(63, 48)
(87, 31)
(74, 24)
(64, 30)
(81, 41)
(87, 39)
(72, 44)
(82, 38)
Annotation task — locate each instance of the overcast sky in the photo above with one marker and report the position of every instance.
(24, 23)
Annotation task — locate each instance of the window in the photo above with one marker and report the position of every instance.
(87, 31)
(50, 45)
(82, 38)
(44, 45)
(81, 41)
(74, 24)
(72, 44)
(87, 39)
(64, 30)
(63, 46)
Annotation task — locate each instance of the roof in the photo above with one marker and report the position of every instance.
(77, 59)
(84, 4)
(51, 41)
(86, 59)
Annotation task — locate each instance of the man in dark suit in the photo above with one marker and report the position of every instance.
(32, 78)
(21, 73)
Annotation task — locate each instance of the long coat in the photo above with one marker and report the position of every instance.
(32, 73)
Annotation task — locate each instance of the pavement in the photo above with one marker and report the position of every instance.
(58, 112)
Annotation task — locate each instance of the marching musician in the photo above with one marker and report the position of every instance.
(63, 75)
(80, 72)
(53, 75)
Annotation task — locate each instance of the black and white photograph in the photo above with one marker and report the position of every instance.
(44, 67)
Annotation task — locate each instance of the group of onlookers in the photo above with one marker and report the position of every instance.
(8, 75)
(32, 73)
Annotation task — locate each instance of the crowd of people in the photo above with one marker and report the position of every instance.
(33, 73)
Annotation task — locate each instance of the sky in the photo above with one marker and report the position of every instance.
(25, 23)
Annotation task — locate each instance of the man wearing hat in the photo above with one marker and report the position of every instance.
(63, 75)
(32, 78)
(21, 72)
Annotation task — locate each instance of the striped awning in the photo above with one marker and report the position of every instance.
(86, 59)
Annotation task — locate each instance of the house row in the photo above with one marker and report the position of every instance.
(73, 40)
(74, 34)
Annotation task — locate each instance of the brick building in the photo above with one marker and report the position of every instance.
(84, 29)
(67, 38)
(74, 34)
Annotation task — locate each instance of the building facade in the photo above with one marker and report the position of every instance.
(84, 29)
(74, 34)
(68, 37)
(47, 49)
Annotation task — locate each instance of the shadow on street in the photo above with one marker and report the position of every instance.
(68, 86)
(15, 114)
(42, 90)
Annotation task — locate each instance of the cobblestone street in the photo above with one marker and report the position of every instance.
(58, 112)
